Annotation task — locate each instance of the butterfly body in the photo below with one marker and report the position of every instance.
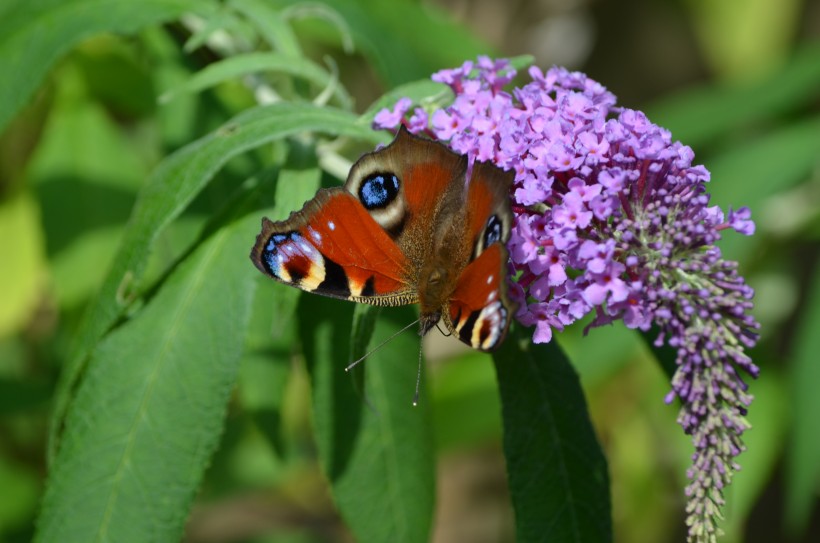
(407, 227)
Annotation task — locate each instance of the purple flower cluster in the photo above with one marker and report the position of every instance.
(612, 219)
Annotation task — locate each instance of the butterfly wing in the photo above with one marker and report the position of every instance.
(334, 247)
(479, 309)
(365, 241)
(405, 187)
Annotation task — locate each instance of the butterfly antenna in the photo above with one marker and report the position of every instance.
(418, 381)
(379, 346)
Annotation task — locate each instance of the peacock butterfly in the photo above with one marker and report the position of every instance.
(407, 227)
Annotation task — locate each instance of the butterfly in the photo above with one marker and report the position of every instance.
(407, 227)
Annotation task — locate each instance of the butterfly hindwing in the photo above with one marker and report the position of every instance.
(335, 248)
(479, 309)
(488, 204)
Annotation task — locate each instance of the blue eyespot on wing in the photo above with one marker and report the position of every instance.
(334, 247)
(378, 190)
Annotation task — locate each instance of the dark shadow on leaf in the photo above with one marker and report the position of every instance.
(72, 206)
(325, 328)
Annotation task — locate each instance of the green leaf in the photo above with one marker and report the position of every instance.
(272, 26)
(150, 409)
(225, 21)
(730, 107)
(294, 187)
(233, 67)
(21, 240)
(375, 446)
(99, 173)
(262, 384)
(403, 40)
(325, 328)
(521, 62)
(765, 444)
(322, 11)
(55, 26)
(265, 371)
(749, 173)
(182, 175)
(171, 187)
(466, 404)
(802, 466)
(419, 92)
(557, 472)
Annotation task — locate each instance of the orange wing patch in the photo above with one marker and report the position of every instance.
(479, 309)
(335, 248)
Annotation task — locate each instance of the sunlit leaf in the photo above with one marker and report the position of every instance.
(325, 12)
(272, 26)
(170, 189)
(22, 274)
(149, 411)
(55, 26)
(239, 65)
(388, 34)
(418, 91)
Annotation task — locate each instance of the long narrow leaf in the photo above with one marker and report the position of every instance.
(418, 91)
(375, 446)
(746, 174)
(387, 33)
(239, 65)
(273, 28)
(730, 107)
(150, 409)
(34, 34)
(169, 190)
(556, 469)
(803, 470)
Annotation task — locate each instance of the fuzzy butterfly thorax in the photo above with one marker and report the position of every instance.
(407, 227)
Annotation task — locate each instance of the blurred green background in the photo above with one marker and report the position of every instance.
(738, 80)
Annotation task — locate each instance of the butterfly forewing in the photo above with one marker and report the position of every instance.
(488, 205)
(334, 247)
(426, 175)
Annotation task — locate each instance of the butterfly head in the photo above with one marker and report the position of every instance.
(427, 321)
